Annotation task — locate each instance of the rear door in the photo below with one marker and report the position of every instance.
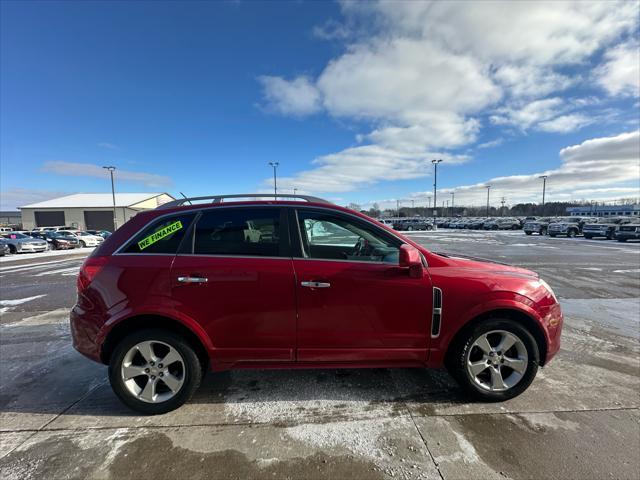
(355, 304)
(234, 276)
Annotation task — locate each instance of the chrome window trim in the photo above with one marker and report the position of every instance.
(197, 211)
(194, 211)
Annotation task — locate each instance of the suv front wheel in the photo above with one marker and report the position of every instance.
(497, 360)
(154, 371)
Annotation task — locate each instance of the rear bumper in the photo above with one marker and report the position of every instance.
(84, 333)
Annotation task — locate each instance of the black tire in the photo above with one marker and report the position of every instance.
(571, 234)
(543, 231)
(461, 349)
(13, 249)
(528, 233)
(609, 235)
(588, 237)
(82, 244)
(193, 371)
(552, 235)
(622, 239)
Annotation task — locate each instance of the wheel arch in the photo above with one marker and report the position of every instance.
(139, 322)
(505, 313)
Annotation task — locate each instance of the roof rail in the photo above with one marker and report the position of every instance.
(215, 199)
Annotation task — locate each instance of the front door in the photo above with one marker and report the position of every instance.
(236, 279)
(354, 301)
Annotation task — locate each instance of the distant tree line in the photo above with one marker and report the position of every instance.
(551, 209)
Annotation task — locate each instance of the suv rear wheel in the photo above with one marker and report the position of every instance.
(154, 371)
(496, 361)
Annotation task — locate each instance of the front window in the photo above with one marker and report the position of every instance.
(328, 236)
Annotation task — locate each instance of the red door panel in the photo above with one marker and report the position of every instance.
(361, 311)
(246, 305)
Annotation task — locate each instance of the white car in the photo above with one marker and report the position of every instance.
(85, 238)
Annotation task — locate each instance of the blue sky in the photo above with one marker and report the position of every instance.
(352, 99)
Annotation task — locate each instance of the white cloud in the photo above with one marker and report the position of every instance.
(403, 80)
(620, 74)
(16, 197)
(566, 123)
(108, 146)
(291, 97)
(492, 143)
(443, 130)
(91, 170)
(362, 166)
(548, 115)
(593, 168)
(421, 75)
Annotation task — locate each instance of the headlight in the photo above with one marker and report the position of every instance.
(549, 289)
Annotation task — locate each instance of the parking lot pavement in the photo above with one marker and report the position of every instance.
(579, 419)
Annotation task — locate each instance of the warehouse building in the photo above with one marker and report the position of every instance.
(89, 211)
(605, 211)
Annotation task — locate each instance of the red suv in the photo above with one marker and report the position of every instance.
(299, 283)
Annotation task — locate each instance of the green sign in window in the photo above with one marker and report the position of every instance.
(160, 234)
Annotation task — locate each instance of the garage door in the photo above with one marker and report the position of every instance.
(49, 219)
(98, 220)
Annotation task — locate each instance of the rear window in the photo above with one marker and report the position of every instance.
(241, 231)
(162, 236)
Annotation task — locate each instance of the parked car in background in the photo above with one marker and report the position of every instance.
(411, 224)
(538, 226)
(161, 302)
(60, 241)
(605, 227)
(568, 226)
(4, 247)
(85, 239)
(101, 233)
(21, 243)
(628, 231)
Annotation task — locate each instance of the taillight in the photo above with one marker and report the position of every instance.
(88, 271)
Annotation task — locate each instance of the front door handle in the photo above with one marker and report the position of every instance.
(193, 279)
(315, 284)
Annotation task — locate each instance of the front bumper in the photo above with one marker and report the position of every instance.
(553, 321)
(31, 248)
(628, 235)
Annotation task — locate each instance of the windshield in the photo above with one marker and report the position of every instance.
(14, 236)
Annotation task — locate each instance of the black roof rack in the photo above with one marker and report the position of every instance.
(215, 199)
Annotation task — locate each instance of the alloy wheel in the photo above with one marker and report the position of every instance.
(153, 371)
(497, 360)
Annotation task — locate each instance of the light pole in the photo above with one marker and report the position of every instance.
(488, 188)
(113, 195)
(544, 188)
(275, 179)
(435, 186)
(452, 198)
(295, 190)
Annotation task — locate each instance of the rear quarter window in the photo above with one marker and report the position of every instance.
(162, 236)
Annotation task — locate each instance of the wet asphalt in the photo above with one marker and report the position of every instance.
(579, 419)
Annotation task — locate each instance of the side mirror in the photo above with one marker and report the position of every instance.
(410, 258)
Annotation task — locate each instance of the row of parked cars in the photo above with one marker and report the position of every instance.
(621, 229)
(49, 238)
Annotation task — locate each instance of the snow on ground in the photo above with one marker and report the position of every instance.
(46, 254)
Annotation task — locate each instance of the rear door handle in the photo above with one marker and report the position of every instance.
(193, 279)
(315, 284)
